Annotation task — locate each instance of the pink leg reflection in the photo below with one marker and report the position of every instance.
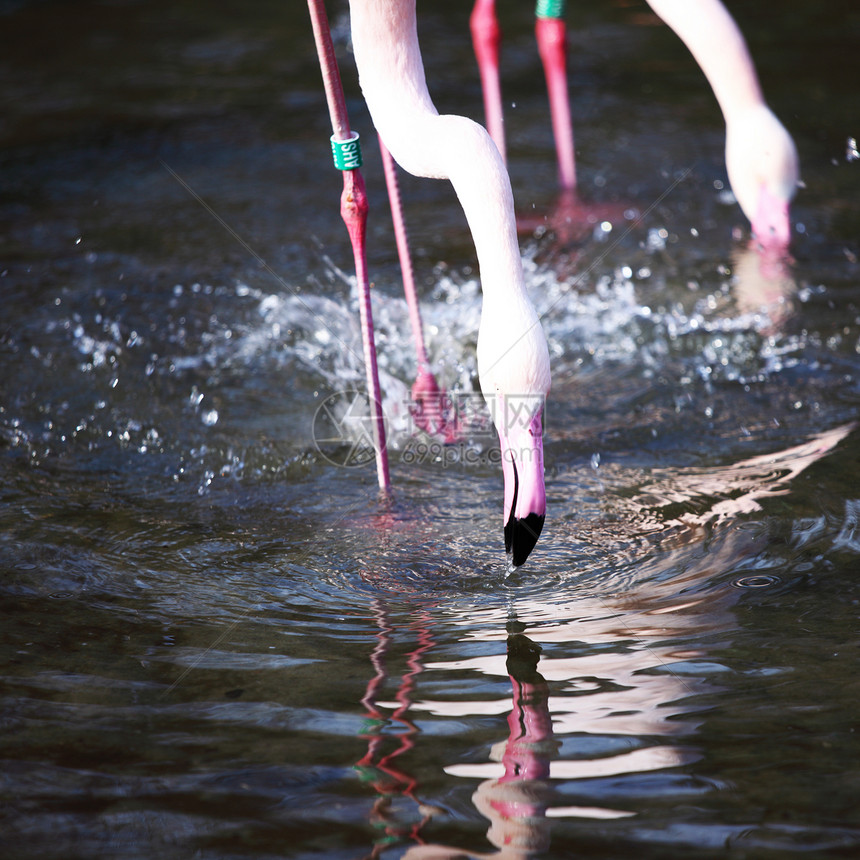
(377, 768)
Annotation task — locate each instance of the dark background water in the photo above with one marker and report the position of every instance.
(216, 642)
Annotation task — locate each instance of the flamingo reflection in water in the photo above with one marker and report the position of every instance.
(515, 803)
(517, 791)
(607, 681)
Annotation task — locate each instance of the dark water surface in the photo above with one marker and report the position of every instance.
(218, 642)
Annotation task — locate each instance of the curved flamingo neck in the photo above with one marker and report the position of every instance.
(391, 73)
(718, 46)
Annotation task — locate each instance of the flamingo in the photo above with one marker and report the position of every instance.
(761, 158)
(513, 359)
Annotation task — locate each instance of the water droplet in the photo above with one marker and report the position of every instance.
(210, 418)
(657, 239)
(208, 476)
(756, 580)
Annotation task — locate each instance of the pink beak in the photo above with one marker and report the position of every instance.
(771, 226)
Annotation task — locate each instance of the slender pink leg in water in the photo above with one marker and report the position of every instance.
(426, 395)
(353, 210)
(551, 33)
(486, 37)
(571, 219)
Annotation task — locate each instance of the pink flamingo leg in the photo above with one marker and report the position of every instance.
(426, 394)
(551, 33)
(353, 210)
(572, 220)
(486, 36)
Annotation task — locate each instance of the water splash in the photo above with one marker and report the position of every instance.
(220, 351)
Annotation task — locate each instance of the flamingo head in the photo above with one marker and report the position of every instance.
(519, 422)
(513, 364)
(763, 171)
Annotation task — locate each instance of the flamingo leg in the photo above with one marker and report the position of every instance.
(551, 34)
(353, 210)
(486, 36)
(426, 394)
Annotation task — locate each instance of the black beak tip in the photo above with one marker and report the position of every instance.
(521, 535)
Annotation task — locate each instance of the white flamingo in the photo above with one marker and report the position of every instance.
(513, 360)
(761, 158)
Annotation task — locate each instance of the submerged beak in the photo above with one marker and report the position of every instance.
(771, 225)
(525, 494)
